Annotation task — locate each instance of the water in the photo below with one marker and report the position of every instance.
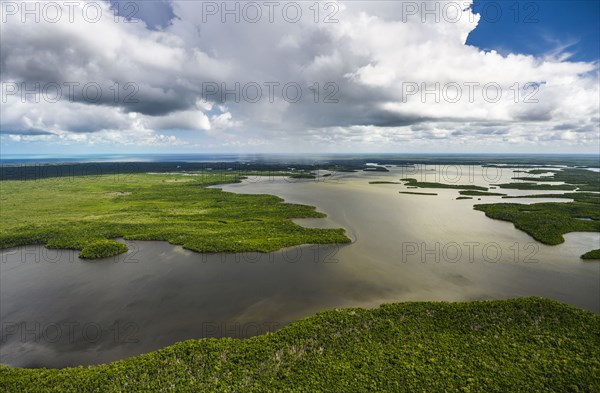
(58, 310)
(61, 311)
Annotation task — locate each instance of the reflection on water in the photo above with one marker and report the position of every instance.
(57, 310)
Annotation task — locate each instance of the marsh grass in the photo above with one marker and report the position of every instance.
(83, 213)
(102, 249)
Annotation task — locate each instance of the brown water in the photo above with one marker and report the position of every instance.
(57, 310)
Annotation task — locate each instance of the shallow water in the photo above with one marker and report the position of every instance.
(57, 310)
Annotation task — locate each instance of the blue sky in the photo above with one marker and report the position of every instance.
(507, 26)
(539, 27)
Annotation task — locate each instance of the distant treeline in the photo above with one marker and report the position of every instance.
(32, 171)
(122, 169)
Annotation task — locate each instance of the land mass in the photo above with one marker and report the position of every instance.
(527, 344)
(480, 193)
(548, 222)
(86, 213)
(592, 255)
(421, 184)
(417, 193)
(535, 186)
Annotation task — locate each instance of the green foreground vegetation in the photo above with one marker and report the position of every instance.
(84, 213)
(525, 345)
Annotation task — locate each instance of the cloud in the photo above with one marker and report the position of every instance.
(380, 73)
(156, 14)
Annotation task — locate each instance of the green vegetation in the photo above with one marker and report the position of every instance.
(479, 193)
(535, 186)
(537, 171)
(463, 197)
(375, 169)
(415, 183)
(417, 193)
(303, 176)
(102, 249)
(81, 213)
(593, 255)
(10, 170)
(384, 182)
(534, 179)
(587, 197)
(547, 222)
(528, 345)
(583, 179)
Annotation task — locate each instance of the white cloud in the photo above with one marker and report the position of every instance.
(372, 55)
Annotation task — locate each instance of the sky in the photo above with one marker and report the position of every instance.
(538, 28)
(300, 77)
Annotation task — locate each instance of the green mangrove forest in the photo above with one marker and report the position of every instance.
(88, 213)
(527, 345)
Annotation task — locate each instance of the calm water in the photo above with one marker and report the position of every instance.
(57, 310)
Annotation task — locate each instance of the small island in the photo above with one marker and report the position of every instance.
(417, 193)
(591, 255)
